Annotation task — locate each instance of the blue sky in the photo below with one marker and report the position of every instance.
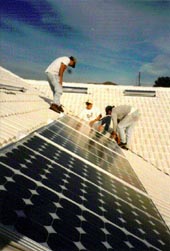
(113, 40)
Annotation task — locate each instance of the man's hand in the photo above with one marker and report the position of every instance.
(100, 128)
(99, 117)
(115, 136)
(91, 123)
(95, 120)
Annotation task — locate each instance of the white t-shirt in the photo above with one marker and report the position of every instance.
(119, 112)
(89, 114)
(54, 67)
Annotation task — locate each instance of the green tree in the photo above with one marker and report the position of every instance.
(162, 82)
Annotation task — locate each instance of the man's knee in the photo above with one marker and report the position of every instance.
(58, 89)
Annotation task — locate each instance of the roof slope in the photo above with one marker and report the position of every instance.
(151, 139)
(22, 109)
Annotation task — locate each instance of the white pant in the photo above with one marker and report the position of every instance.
(55, 86)
(126, 125)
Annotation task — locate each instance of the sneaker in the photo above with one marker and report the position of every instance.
(60, 108)
(55, 108)
(122, 144)
(124, 147)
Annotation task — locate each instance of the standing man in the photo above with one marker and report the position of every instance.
(55, 72)
(124, 118)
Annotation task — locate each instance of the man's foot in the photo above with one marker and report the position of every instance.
(56, 108)
(123, 146)
(61, 108)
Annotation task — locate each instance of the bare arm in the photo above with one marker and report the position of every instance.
(61, 73)
(95, 120)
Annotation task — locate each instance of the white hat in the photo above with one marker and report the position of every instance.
(89, 101)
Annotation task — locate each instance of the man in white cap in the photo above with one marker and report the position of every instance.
(55, 72)
(90, 114)
(124, 118)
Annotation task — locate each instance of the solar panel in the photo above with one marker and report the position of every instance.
(53, 194)
(97, 152)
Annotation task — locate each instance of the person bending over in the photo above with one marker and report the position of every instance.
(124, 118)
(55, 72)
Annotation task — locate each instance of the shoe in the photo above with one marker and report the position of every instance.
(124, 147)
(60, 108)
(122, 144)
(55, 108)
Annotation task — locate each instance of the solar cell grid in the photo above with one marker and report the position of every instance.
(71, 205)
(68, 161)
(82, 127)
(101, 156)
(59, 176)
(52, 218)
(76, 166)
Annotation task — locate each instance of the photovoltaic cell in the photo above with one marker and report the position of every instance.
(84, 128)
(97, 152)
(63, 202)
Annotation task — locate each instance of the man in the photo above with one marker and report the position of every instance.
(104, 125)
(55, 72)
(124, 118)
(90, 114)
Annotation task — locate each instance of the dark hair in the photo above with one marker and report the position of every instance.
(74, 60)
(108, 108)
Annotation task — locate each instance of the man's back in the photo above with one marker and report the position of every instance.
(121, 111)
(55, 65)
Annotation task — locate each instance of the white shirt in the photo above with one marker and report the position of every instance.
(54, 67)
(118, 113)
(89, 114)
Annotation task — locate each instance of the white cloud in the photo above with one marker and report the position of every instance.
(160, 66)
